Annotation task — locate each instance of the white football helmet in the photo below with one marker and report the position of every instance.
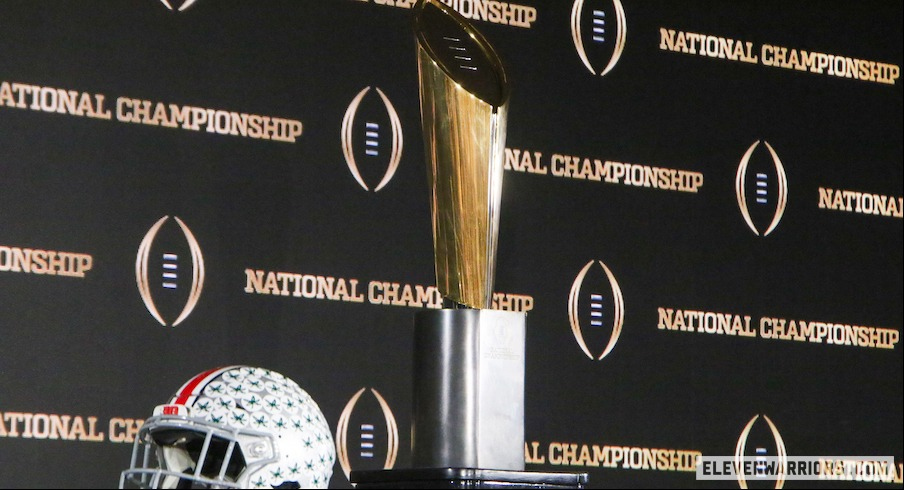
(234, 427)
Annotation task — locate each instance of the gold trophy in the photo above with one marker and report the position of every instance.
(469, 359)
(464, 107)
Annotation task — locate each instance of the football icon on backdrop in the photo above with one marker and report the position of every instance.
(596, 310)
(175, 4)
(598, 30)
(372, 139)
(169, 271)
(757, 442)
(762, 189)
(367, 437)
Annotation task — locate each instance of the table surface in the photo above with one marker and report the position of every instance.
(466, 478)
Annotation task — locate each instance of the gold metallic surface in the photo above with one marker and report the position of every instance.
(464, 139)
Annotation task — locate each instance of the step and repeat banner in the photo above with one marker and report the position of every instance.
(702, 218)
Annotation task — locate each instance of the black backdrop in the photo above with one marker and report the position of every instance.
(89, 349)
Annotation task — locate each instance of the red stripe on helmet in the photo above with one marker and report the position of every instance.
(194, 385)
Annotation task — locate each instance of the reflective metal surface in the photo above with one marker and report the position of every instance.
(464, 97)
(469, 389)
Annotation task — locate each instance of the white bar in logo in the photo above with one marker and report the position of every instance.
(599, 26)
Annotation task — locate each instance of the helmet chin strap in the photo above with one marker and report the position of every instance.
(176, 482)
(177, 459)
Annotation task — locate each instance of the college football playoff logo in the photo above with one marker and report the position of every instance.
(169, 270)
(761, 440)
(373, 142)
(596, 309)
(598, 29)
(185, 4)
(359, 443)
(762, 189)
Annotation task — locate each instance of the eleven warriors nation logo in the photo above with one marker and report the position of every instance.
(174, 4)
(598, 29)
(759, 440)
(372, 139)
(761, 187)
(169, 271)
(367, 436)
(596, 310)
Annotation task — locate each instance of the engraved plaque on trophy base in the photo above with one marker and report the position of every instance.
(469, 389)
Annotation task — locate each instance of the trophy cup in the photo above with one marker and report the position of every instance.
(467, 428)
(468, 359)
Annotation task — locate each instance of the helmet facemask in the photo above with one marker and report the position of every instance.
(174, 452)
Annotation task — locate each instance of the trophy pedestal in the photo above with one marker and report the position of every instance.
(469, 389)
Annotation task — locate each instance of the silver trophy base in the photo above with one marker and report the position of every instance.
(468, 389)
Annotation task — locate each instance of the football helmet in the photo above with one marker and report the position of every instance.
(234, 427)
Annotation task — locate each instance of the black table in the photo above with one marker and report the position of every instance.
(464, 478)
